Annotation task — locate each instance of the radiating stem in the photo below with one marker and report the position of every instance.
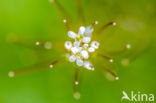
(20, 43)
(76, 84)
(54, 63)
(76, 77)
(66, 24)
(80, 11)
(94, 24)
(57, 46)
(106, 57)
(125, 48)
(110, 72)
(60, 8)
(105, 27)
(46, 45)
(34, 68)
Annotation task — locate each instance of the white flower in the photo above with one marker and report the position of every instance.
(91, 49)
(85, 45)
(95, 44)
(72, 58)
(76, 44)
(79, 62)
(82, 30)
(85, 54)
(88, 31)
(86, 39)
(88, 65)
(68, 45)
(74, 50)
(72, 35)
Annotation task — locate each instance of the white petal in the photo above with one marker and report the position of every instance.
(76, 44)
(79, 62)
(88, 65)
(68, 45)
(88, 31)
(82, 30)
(95, 44)
(85, 45)
(86, 39)
(72, 35)
(85, 54)
(74, 50)
(91, 49)
(72, 58)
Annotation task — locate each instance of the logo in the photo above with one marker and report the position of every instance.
(134, 97)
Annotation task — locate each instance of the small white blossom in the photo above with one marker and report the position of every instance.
(95, 44)
(76, 44)
(85, 45)
(74, 50)
(72, 58)
(88, 31)
(91, 49)
(86, 39)
(88, 65)
(72, 35)
(82, 30)
(79, 62)
(68, 45)
(85, 54)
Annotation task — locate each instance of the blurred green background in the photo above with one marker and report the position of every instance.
(28, 21)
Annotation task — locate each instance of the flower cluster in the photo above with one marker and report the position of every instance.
(81, 46)
(80, 49)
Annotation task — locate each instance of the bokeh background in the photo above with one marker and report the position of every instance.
(28, 21)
